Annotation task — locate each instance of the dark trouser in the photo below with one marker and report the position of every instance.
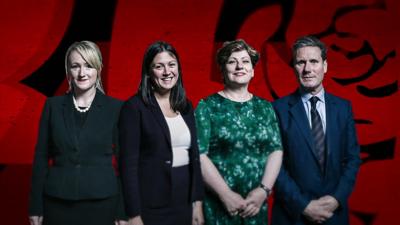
(179, 211)
(86, 212)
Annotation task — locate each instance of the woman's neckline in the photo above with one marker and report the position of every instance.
(223, 95)
(173, 117)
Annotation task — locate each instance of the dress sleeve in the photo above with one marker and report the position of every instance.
(203, 124)
(274, 134)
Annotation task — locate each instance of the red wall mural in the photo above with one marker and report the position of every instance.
(362, 36)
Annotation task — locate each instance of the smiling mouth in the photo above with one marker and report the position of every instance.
(167, 78)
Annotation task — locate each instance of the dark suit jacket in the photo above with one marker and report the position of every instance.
(301, 179)
(81, 166)
(146, 156)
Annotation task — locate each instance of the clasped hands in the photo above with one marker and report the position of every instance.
(235, 204)
(319, 210)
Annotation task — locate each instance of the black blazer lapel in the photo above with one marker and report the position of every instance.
(68, 115)
(159, 116)
(95, 114)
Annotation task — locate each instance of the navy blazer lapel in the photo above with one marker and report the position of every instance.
(331, 125)
(159, 116)
(298, 113)
(68, 115)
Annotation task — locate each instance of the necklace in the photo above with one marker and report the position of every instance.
(85, 109)
(243, 99)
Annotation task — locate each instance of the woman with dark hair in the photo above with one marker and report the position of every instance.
(159, 160)
(78, 135)
(239, 142)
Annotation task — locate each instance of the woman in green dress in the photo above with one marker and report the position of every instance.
(239, 142)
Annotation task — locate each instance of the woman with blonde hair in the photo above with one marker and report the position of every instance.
(73, 179)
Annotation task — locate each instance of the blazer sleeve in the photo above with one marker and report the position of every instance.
(294, 200)
(121, 215)
(40, 163)
(286, 189)
(198, 186)
(129, 142)
(350, 161)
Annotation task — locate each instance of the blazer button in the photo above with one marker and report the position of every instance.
(78, 166)
(168, 162)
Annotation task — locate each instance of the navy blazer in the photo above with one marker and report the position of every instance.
(146, 156)
(81, 166)
(301, 178)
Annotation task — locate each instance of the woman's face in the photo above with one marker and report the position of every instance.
(165, 71)
(238, 68)
(80, 74)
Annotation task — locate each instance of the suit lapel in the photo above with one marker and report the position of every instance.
(68, 115)
(331, 127)
(159, 116)
(298, 114)
(94, 114)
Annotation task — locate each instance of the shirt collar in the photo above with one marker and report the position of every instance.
(305, 97)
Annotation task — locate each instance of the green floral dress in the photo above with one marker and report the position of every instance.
(237, 137)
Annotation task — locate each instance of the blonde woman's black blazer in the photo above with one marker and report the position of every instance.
(80, 167)
(146, 156)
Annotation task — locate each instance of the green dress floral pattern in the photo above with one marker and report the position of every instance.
(237, 137)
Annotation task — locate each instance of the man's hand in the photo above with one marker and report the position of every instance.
(329, 203)
(316, 212)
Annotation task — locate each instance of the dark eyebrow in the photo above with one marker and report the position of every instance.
(299, 61)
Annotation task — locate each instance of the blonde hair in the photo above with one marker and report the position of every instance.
(90, 52)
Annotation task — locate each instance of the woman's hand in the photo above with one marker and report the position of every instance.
(234, 203)
(36, 220)
(198, 216)
(254, 201)
(137, 220)
(121, 222)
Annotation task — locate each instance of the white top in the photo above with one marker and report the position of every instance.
(180, 140)
(320, 107)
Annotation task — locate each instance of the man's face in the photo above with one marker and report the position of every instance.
(310, 68)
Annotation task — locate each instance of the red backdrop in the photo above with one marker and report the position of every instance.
(362, 36)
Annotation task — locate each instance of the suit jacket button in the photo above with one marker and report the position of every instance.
(168, 162)
(78, 165)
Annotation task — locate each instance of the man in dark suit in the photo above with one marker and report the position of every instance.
(321, 153)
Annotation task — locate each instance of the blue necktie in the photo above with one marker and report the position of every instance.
(317, 132)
